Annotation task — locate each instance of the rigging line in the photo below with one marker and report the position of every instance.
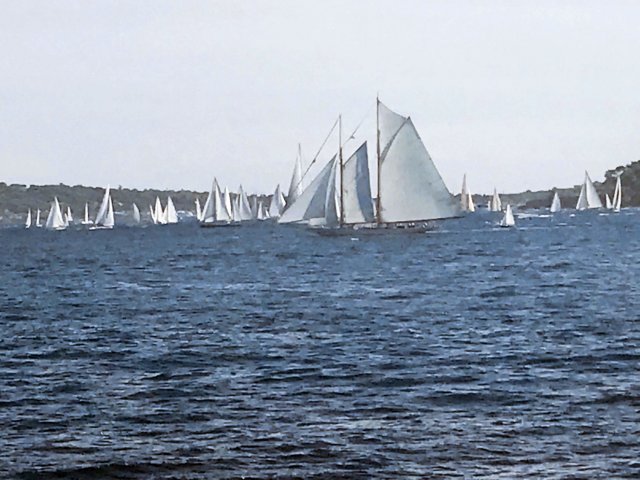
(335, 124)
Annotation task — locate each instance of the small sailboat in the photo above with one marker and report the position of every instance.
(556, 206)
(495, 204)
(38, 222)
(466, 200)
(278, 204)
(170, 214)
(86, 220)
(198, 210)
(616, 204)
(69, 217)
(215, 212)
(588, 195)
(507, 219)
(27, 224)
(158, 213)
(105, 219)
(54, 219)
(263, 212)
(136, 213)
(243, 208)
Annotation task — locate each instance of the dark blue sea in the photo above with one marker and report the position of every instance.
(271, 352)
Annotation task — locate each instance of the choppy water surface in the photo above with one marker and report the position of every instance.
(271, 352)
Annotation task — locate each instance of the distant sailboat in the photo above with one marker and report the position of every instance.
(507, 219)
(588, 195)
(496, 203)
(617, 195)
(555, 203)
(69, 216)
(158, 213)
(295, 187)
(466, 200)
(215, 212)
(86, 220)
(198, 210)
(27, 224)
(243, 209)
(105, 219)
(54, 219)
(278, 204)
(136, 213)
(170, 214)
(263, 213)
(38, 223)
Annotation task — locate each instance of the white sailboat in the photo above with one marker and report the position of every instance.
(607, 202)
(69, 216)
(86, 220)
(496, 203)
(27, 224)
(466, 200)
(105, 219)
(507, 219)
(263, 213)
(617, 195)
(198, 210)
(54, 219)
(588, 195)
(38, 222)
(278, 204)
(556, 206)
(170, 213)
(295, 187)
(136, 213)
(158, 213)
(215, 212)
(243, 209)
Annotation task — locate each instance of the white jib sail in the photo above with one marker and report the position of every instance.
(109, 220)
(86, 220)
(470, 205)
(311, 204)
(27, 224)
(411, 188)
(496, 203)
(69, 216)
(593, 200)
(171, 216)
(198, 210)
(617, 195)
(555, 203)
(38, 224)
(103, 211)
(244, 209)
(356, 195)
(158, 212)
(136, 213)
(295, 187)
(607, 201)
(54, 219)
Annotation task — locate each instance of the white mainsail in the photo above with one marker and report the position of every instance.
(588, 195)
(278, 203)
(136, 213)
(311, 203)
(198, 210)
(214, 209)
(295, 187)
(227, 202)
(496, 203)
(262, 211)
(27, 224)
(69, 216)
(466, 200)
(411, 188)
(170, 214)
(54, 219)
(105, 217)
(617, 195)
(507, 219)
(556, 206)
(357, 204)
(244, 212)
(38, 224)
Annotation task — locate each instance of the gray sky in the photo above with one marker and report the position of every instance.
(168, 94)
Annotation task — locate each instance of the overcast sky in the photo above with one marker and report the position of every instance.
(167, 94)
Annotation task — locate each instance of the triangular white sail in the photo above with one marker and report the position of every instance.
(214, 209)
(617, 195)
(27, 224)
(356, 194)
(38, 223)
(159, 213)
(170, 216)
(507, 219)
(295, 187)
(466, 200)
(311, 204)
(496, 203)
(588, 195)
(54, 219)
(105, 217)
(471, 207)
(278, 203)
(136, 213)
(411, 188)
(69, 216)
(244, 212)
(86, 220)
(262, 211)
(332, 200)
(198, 210)
(227, 201)
(607, 202)
(556, 206)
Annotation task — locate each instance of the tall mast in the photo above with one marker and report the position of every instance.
(341, 170)
(378, 211)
